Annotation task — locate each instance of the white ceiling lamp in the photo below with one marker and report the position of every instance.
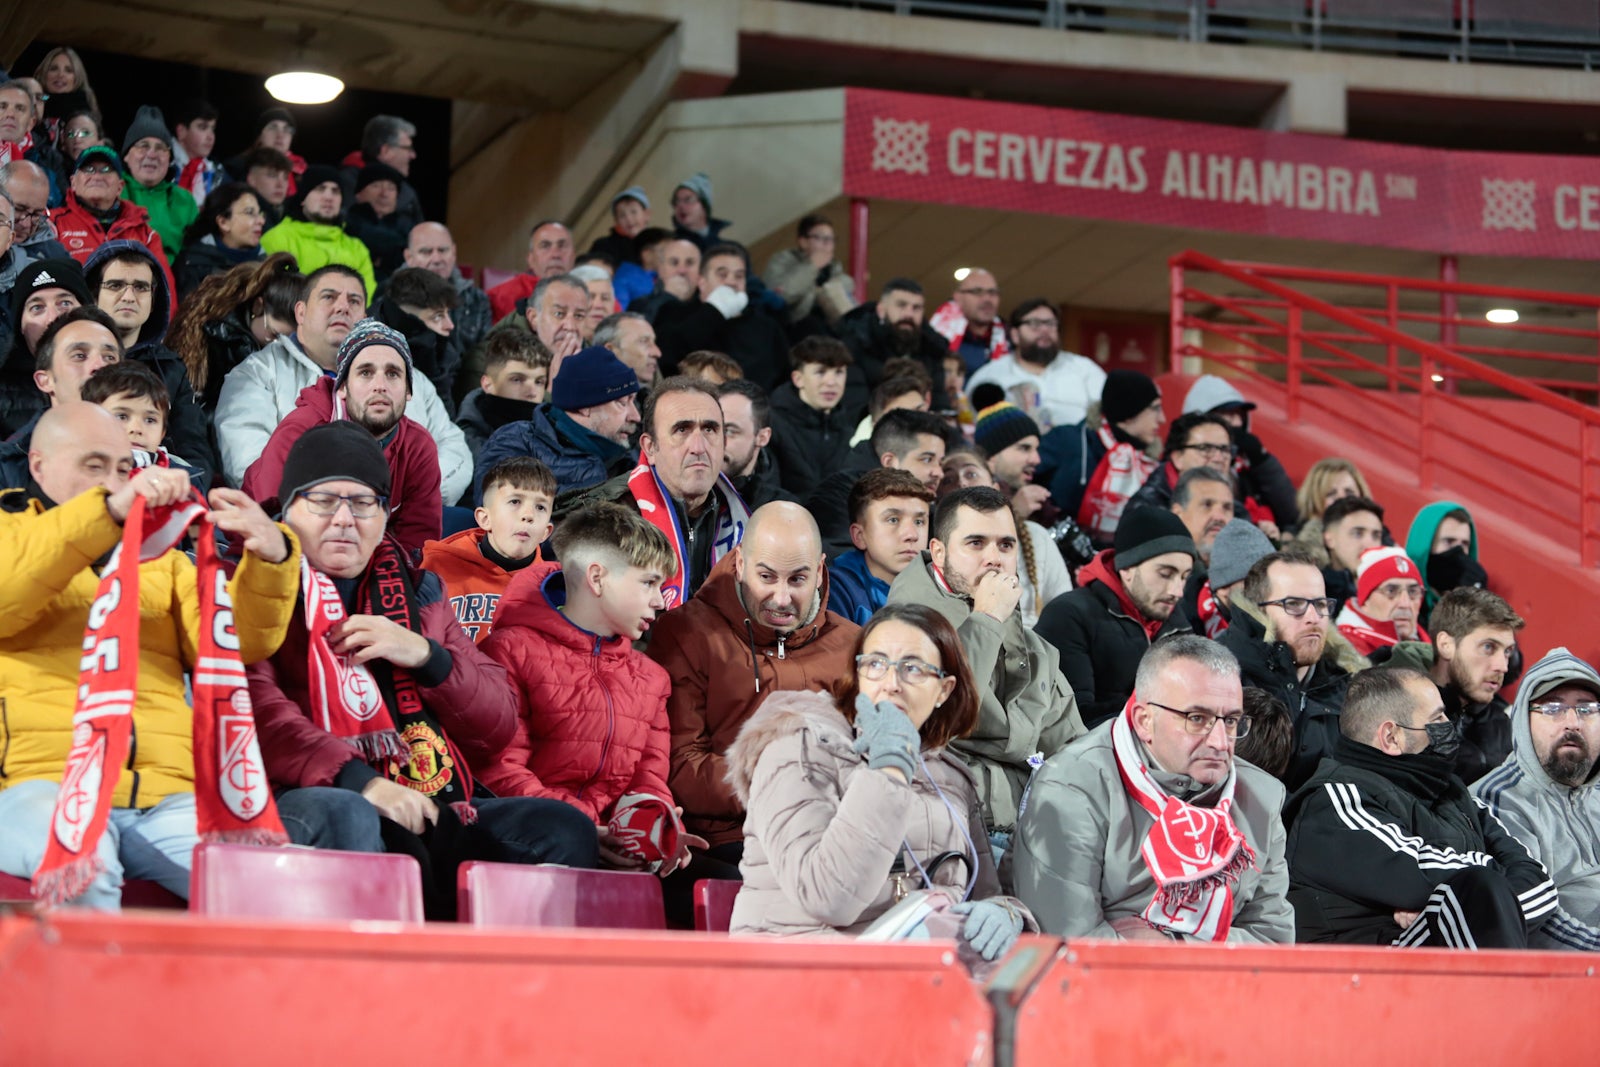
(962, 272)
(1501, 315)
(304, 87)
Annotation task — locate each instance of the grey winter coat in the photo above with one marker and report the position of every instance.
(823, 831)
(1076, 853)
(1559, 825)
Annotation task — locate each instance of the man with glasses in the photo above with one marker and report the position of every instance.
(1388, 599)
(969, 320)
(1193, 441)
(147, 154)
(1545, 791)
(1051, 384)
(1149, 829)
(1387, 846)
(96, 213)
(12, 259)
(28, 186)
(1280, 629)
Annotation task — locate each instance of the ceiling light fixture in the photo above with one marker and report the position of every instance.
(304, 87)
(1502, 315)
(962, 272)
(1438, 377)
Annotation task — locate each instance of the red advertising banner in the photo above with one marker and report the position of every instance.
(1087, 164)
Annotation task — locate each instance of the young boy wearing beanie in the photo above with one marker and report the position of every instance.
(1127, 598)
(477, 565)
(1387, 604)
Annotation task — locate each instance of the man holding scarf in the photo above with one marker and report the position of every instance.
(132, 778)
(377, 690)
(1149, 829)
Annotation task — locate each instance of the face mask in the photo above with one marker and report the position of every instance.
(1444, 739)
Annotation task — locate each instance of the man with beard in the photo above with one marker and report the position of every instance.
(1126, 600)
(1387, 846)
(1011, 439)
(371, 387)
(1280, 630)
(1026, 708)
(260, 392)
(313, 231)
(1545, 791)
(970, 320)
(1051, 384)
(1388, 598)
(1203, 499)
(747, 429)
(1474, 633)
(894, 328)
(760, 624)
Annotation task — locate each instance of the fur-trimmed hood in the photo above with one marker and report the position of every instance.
(781, 714)
(1336, 648)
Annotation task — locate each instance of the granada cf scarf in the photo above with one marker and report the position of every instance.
(232, 800)
(11, 151)
(950, 324)
(1123, 470)
(378, 709)
(1195, 854)
(733, 515)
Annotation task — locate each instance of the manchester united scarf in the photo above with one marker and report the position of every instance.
(1195, 854)
(232, 799)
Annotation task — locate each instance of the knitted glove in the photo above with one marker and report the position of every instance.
(886, 737)
(728, 301)
(991, 927)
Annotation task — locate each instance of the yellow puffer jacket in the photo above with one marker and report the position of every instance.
(48, 581)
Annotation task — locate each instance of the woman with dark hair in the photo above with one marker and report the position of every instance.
(229, 316)
(226, 233)
(853, 800)
(81, 130)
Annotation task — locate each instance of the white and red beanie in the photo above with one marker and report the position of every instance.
(1379, 565)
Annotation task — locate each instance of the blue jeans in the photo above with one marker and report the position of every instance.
(326, 817)
(155, 844)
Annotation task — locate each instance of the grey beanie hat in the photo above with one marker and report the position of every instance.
(1237, 548)
(148, 122)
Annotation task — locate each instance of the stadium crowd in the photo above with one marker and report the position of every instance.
(648, 560)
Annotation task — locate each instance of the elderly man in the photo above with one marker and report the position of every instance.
(1280, 630)
(260, 392)
(69, 517)
(760, 624)
(550, 252)
(147, 157)
(1150, 829)
(631, 337)
(554, 311)
(970, 320)
(582, 433)
(1387, 601)
(407, 709)
(28, 186)
(1545, 791)
(1203, 499)
(1127, 598)
(96, 213)
(1387, 847)
(719, 319)
(1026, 709)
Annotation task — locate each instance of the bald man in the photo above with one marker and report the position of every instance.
(431, 247)
(81, 488)
(760, 624)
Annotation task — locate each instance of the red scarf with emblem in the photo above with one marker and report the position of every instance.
(232, 799)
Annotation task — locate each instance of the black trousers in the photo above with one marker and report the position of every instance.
(1473, 908)
(677, 888)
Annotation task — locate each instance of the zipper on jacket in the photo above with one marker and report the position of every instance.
(781, 639)
(611, 718)
(133, 775)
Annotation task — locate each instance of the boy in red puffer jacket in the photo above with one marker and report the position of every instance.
(592, 729)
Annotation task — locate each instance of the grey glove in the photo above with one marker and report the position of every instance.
(886, 736)
(991, 927)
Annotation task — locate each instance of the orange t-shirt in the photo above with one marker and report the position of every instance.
(472, 581)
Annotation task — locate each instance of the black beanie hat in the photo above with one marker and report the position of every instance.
(334, 451)
(1126, 393)
(47, 274)
(378, 172)
(316, 174)
(1147, 532)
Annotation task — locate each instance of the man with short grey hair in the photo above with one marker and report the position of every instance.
(389, 140)
(28, 187)
(1149, 829)
(633, 339)
(431, 247)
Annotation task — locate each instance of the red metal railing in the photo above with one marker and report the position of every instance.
(1311, 345)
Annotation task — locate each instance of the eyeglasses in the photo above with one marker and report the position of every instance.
(979, 292)
(117, 285)
(7, 224)
(1199, 723)
(362, 505)
(1554, 709)
(1297, 606)
(78, 135)
(1211, 450)
(911, 671)
(25, 214)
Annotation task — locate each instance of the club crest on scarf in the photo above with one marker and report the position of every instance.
(80, 785)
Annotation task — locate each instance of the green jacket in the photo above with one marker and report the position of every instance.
(315, 244)
(171, 210)
(1419, 544)
(1026, 706)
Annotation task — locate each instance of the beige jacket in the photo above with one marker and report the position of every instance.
(823, 830)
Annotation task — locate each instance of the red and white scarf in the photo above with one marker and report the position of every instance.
(1212, 621)
(1123, 470)
(10, 151)
(232, 798)
(1195, 854)
(345, 698)
(733, 515)
(949, 323)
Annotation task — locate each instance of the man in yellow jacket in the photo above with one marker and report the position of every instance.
(54, 536)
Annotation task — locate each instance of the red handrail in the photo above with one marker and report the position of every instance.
(1305, 354)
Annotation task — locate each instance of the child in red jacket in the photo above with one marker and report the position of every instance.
(477, 565)
(593, 729)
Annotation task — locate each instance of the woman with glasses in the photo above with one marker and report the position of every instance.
(226, 233)
(853, 800)
(81, 130)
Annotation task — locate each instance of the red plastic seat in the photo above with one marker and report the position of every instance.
(303, 883)
(510, 894)
(135, 894)
(713, 904)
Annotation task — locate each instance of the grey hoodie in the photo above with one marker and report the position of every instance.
(1559, 825)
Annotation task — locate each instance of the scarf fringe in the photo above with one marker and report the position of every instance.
(1192, 890)
(248, 836)
(383, 745)
(67, 882)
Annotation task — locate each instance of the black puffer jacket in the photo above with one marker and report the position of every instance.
(229, 343)
(1371, 834)
(482, 414)
(808, 444)
(762, 485)
(871, 342)
(1314, 704)
(754, 339)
